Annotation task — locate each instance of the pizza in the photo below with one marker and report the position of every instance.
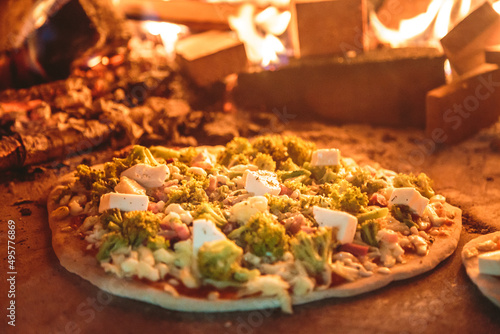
(481, 258)
(262, 223)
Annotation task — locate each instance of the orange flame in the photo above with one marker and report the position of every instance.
(425, 29)
(496, 7)
(259, 32)
(168, 32)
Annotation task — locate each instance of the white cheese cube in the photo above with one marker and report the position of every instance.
(262, 182)
(129, 186)
(344, 222)
(489, 263)
(124, 202)
(204, 230)
(242, 211)
(148, 176)
(326, 157)
(410, 197)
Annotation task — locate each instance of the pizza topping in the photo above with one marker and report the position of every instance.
(344, 223)
(220, 260)
(390, 250)
(368, 232)
(148, 176)
(314, 251)
(409, 197)
(271, 217)
(422, 183)
(262, 182)
(487, 246)
(124, 202)
(325, 157)
(242, 212)
(489, 263)
(204, 230)
(184, 216)
(269, 286)
(263, 236)
(419, 243)
(60, 213)
(129, 186)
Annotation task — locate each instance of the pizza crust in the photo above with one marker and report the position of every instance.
(70, 249)
(489, 285)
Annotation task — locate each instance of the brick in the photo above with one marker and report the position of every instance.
(211, 56)
(459, 110)
(382, 87)
(195, 14)
(492, 54)
(327, 27)
(465, 44)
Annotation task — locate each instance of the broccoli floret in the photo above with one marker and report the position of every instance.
(366, 182)
(279, 205)
(210, 211)
(220, 193)
(112, 242)
(323, 174)
(403, 214)
(87, 176)
(296, 184)
(313, 250)
(272, 145)
(102, 182)
(347, 197)
(221, 261)
(157, 242)
(263, 236)
(235, 147)
(288, 165)
(182, 166)
(96, 181)
(264, 161)
(187, 154)
(139, 226)
(191, 192)
(353, 200)
(422, 183)
(138, 155)
(164, 153)
(369, 230)
(112, 219)
(307, 202)
(298, 149)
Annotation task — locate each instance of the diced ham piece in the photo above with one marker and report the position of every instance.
(212, 183)
(182, 231)
(285, 190)
(174, 229)
(354, 249)
(308, 229)
(378, 200)
(294, 224)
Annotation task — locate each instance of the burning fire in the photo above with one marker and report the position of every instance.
(425, 29)
(168, 32)
(259, 32)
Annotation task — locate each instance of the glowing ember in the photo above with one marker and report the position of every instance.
(94, 61)
(259, 33)
(425, 29)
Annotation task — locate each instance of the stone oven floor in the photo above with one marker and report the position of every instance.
(51, 300)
